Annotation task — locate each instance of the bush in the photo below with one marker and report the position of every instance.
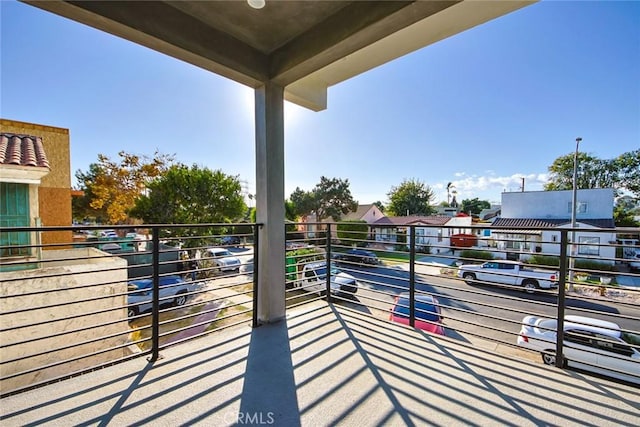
(588, 264)
(423, 249)
(581, 264)
(474, 254)
(353, 232)
(549, 260)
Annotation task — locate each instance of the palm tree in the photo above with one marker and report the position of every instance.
(449, 185)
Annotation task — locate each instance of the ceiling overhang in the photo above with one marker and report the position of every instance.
(304, 46)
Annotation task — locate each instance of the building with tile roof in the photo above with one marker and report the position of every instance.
(529, 218)
(432, 231)
(35, 181)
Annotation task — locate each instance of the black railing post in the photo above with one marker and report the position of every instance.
(328, 264)
(155, 295)
(254, 317)
(562, 280)
(412, 276)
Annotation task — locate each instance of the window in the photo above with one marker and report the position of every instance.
(581, 207)
(14, 212)
(611, 344)
(579, 337)
(588, 245)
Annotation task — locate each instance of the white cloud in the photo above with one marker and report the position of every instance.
(489, 187)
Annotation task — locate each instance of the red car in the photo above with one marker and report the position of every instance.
(427, 313)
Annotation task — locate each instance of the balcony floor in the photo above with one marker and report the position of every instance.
(325, 366)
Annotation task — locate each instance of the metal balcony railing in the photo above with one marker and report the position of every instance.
(102, 295)
(409, 273)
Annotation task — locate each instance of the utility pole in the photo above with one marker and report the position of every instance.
(574, 202)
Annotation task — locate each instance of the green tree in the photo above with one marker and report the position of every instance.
(289, 215)
(111, 188)
(474, 206)
(380, 206)
(81, 205)
(329, 198)
(621, 173)
(353, 232)
(411, 197)
(624, 211)
(192, 195)
(628, 167)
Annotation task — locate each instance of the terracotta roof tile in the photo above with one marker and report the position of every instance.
(22, 150)
(549, 223)
(413, 220)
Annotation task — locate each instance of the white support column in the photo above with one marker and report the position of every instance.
(269, 115)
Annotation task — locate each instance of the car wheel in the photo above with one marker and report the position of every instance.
(180, 299)
(469, 278)
(549, 357)
(349, 289)
(530, 286)
(132, 312)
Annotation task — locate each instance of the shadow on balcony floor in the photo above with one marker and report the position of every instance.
(326, 366)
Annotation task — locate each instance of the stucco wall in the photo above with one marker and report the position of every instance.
(55, 188)
(555, 204)
(63, 281)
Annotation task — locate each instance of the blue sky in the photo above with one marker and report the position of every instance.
(482, 109)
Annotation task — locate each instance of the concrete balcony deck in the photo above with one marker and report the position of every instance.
(326, 366)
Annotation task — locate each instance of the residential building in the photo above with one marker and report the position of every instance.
(35, 181)
(369, 213)
(433, 231)
(527, 217)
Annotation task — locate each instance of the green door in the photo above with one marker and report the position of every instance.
(14, 212)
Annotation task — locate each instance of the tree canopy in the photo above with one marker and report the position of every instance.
(621, 173)
(411, 197)
(329, 198)
(474, 206)
(624, 212)
(380, 205)
(192, 195)
(111, 188)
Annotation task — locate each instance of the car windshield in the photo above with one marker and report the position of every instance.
(221, 253)
(424, 310)
(322, 271)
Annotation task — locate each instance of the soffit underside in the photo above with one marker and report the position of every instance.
(305, 46)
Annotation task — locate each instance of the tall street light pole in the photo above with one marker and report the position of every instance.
(574, 203)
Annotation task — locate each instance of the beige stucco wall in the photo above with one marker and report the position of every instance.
(30, 298)
(54, 192)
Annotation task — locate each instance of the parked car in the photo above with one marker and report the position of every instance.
(358, 256)
(313, 279)
(247, 267)
(173, 291)
(427, 312)
(230, 241)
(109, 233)
(512, 273)
(634, 261)
(223, 259)
(590, 344)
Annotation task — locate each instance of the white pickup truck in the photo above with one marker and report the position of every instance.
(511, 273)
